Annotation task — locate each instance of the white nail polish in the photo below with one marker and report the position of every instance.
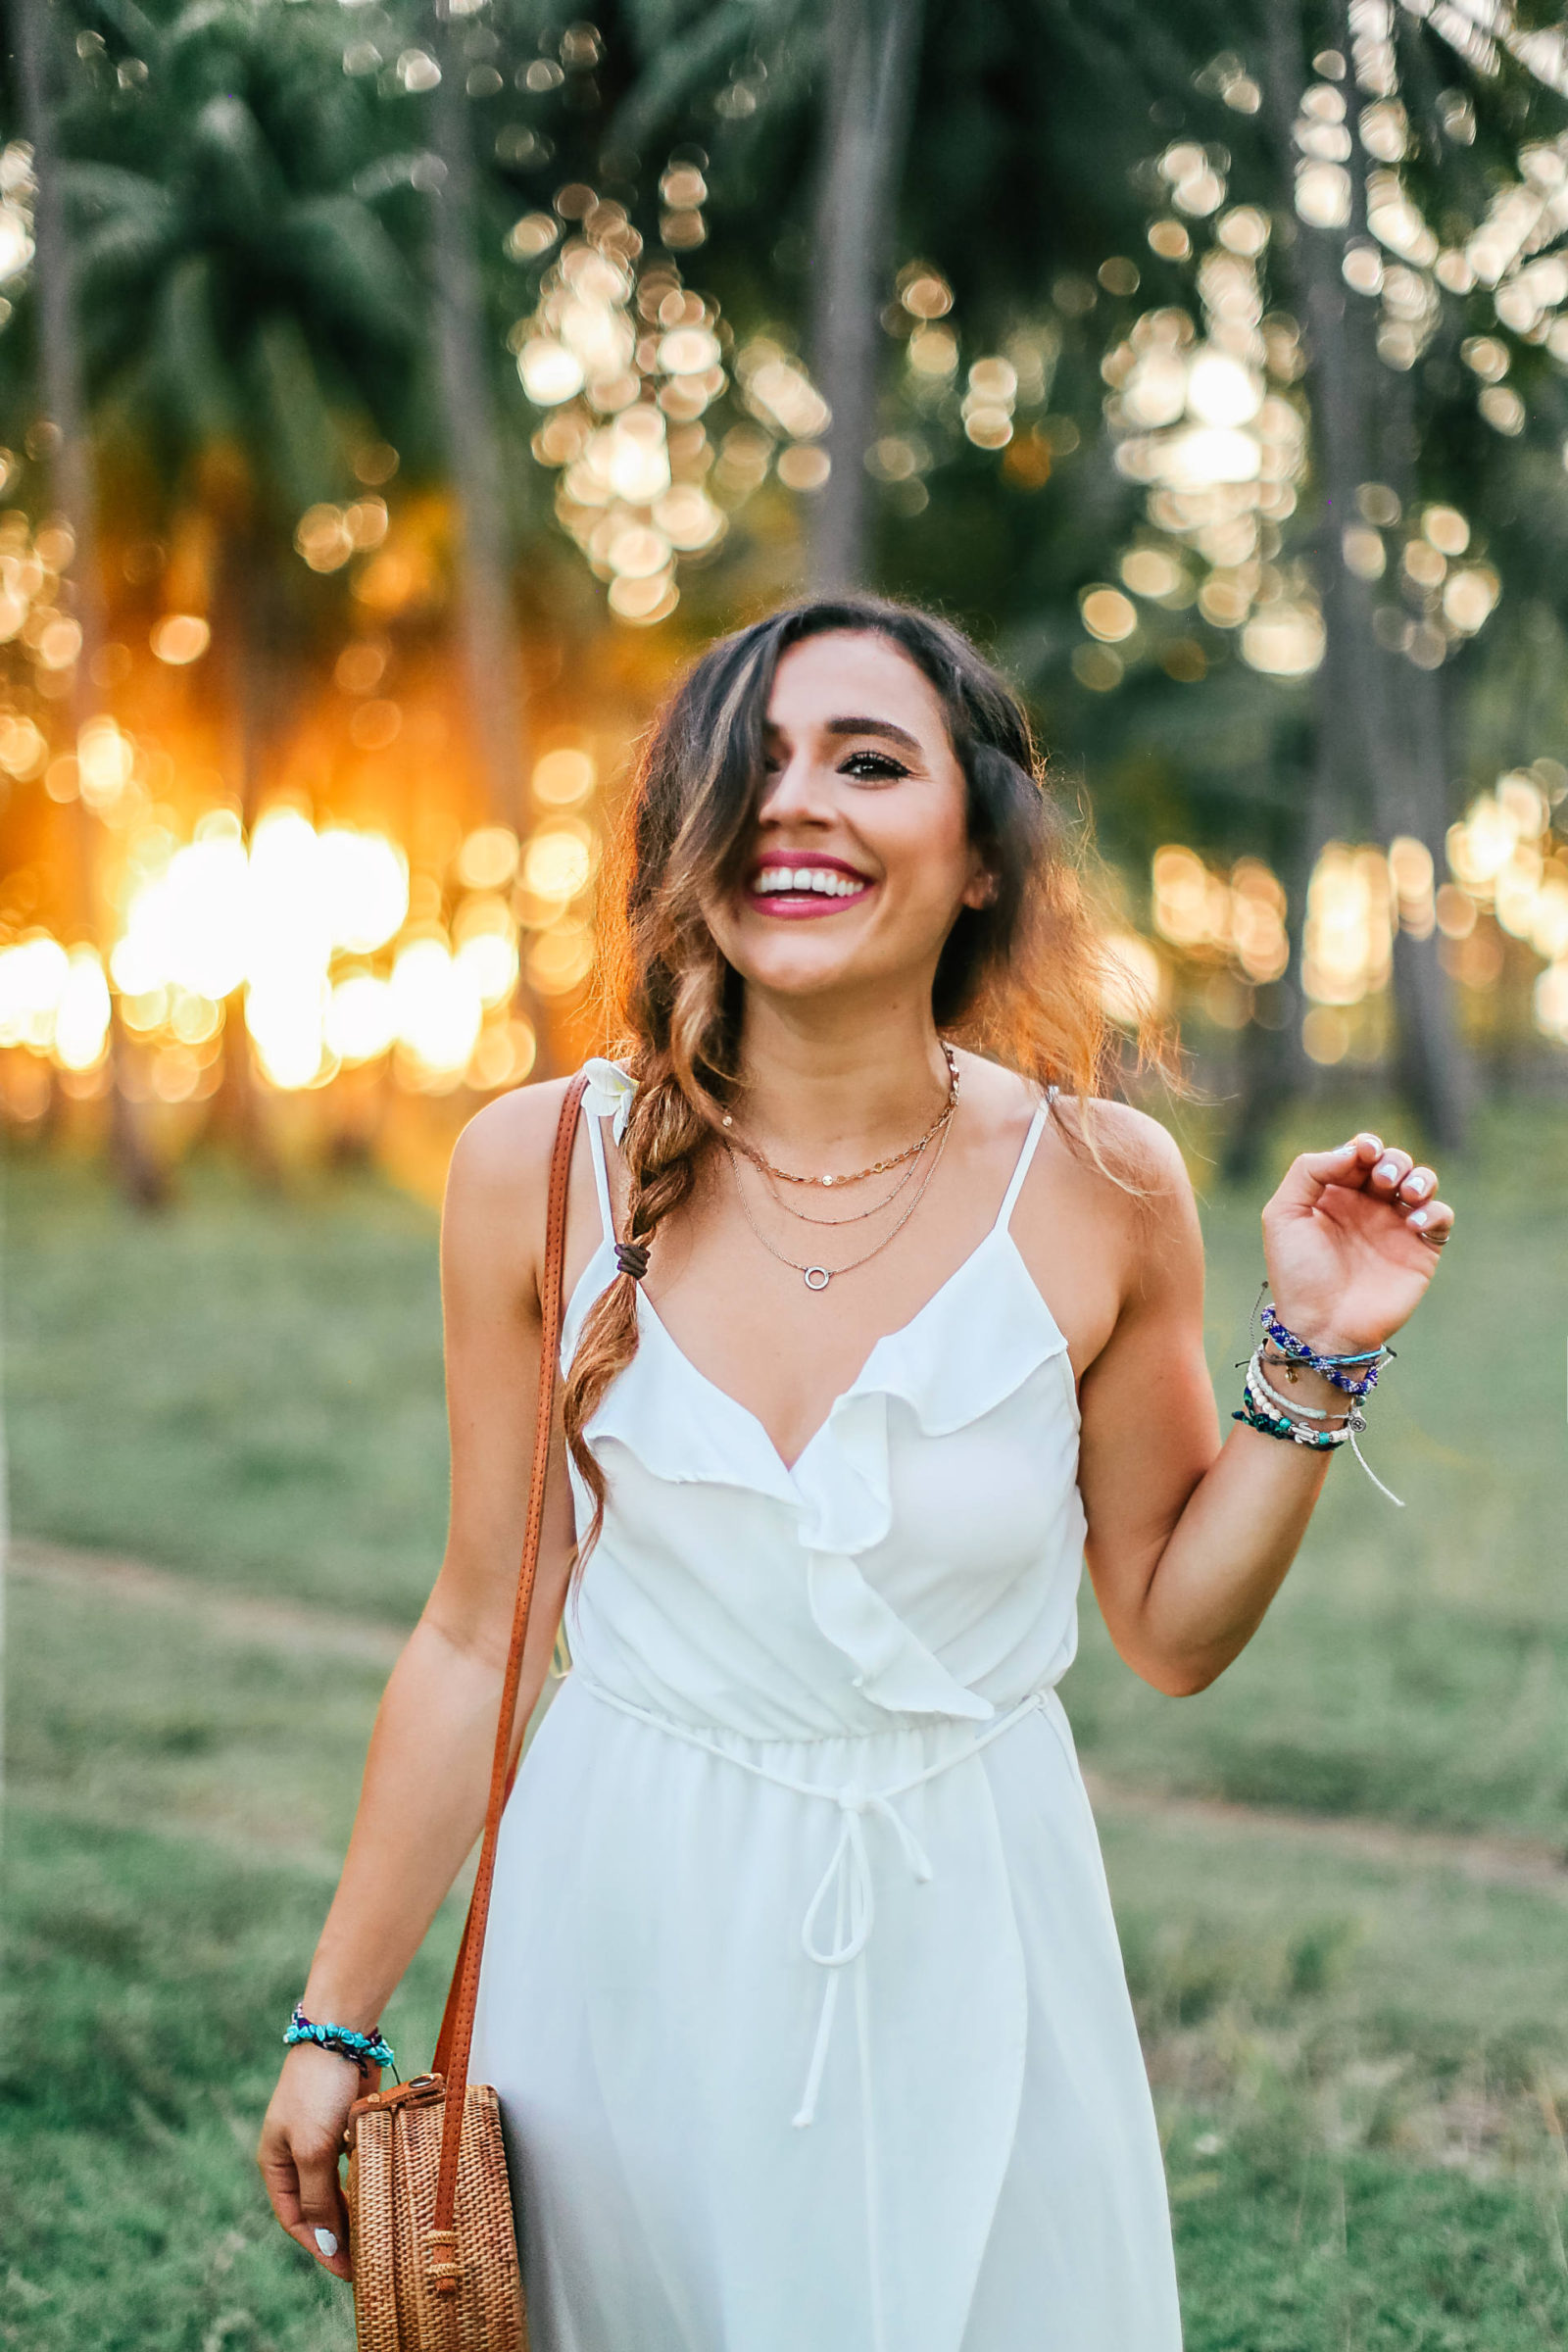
(1387, 1168)
(1420, 1217)
(1416, 1186)
(326, 2241)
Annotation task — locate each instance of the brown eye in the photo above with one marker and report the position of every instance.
(873, 767)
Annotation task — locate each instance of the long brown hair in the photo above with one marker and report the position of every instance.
(1022, 978)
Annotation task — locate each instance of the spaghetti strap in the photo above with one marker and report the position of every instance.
(1037, 1128)
(596, 1151)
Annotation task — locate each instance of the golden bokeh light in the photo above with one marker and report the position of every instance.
(562, 778)
(180, 638)
(1108, 615)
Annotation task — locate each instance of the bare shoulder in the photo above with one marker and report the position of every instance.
(1127, 1146)
(1148, 1200)
(1116, 1150)
(1117, 1185)
(499, 1178)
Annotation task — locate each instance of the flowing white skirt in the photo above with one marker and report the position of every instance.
(981, 2170)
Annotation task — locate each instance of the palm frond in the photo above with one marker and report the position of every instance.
(292, 418)
(339, 254)
(678, 67)
(191, 366)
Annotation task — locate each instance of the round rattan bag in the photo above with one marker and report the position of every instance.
(411, 2294)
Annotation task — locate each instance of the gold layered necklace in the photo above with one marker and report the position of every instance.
(857, 1217)
(816, 1276)
(878, 1167)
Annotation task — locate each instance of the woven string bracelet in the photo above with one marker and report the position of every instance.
(1332, 1367)
(364, 2050)
(1282, 1417)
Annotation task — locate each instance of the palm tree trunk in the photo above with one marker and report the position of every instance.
(1378, 760)
(873, 55)
(64, 399)
(486, 622)
(244, 643)
(1437, 1074)
(464, 359)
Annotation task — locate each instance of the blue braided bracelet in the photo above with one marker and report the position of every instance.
(364, 2049)
(1332, 1367)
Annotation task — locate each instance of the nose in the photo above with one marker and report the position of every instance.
(796, 794)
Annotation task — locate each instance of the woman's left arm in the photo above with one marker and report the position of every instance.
(1188, 1539)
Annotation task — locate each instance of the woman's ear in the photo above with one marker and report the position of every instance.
(981, 889)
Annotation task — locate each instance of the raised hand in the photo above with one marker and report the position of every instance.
(1351, 1239)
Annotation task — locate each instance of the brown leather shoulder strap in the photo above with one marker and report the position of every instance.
(457, 2026)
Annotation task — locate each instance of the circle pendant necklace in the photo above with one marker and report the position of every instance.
(817, 1277)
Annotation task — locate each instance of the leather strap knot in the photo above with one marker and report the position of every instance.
(632, 1258)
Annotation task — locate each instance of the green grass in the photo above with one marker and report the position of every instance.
(147, 1979)
(248, 1387)
(1359, 2057)
(1354, 2059)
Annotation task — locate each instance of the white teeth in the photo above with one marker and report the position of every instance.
(816, 880)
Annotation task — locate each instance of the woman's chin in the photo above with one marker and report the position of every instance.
(803, 972)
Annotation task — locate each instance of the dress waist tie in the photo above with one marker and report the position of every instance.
(850, 1886)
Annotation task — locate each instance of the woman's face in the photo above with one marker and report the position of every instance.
(861, 858)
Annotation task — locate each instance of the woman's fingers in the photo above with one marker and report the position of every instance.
(299, 2170)
(1390, 1172)
(1358, 1156)
(1310, 1173)
(325, 2228)
(1434, 1223)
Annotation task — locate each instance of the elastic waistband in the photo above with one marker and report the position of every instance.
(731, 1746)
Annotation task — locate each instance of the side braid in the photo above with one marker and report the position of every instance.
(665, 1135)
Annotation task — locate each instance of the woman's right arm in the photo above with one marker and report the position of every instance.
(427, 1773)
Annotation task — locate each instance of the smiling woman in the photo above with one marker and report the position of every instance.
(800, 1986)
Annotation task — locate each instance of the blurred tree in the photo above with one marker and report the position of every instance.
(64, 404)
(462, 351)
(1035, 187)
(997, 181)
(869, 66)
(244, 316)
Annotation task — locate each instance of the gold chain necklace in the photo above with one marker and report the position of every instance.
(860, 1214)
(878, 1167)
(817, 1278)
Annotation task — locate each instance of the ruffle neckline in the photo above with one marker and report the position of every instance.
(972, 1347)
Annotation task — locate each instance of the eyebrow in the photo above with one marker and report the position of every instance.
(859, 726)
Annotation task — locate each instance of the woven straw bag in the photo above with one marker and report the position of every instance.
(431, 2231)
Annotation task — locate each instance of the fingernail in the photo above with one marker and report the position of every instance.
(1387, 1168)
(1420, 1217)
(326, 2241)
(1416, 1186)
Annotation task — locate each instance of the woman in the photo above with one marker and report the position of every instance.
(802, 1989)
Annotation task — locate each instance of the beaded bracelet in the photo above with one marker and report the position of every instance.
(1265, 1408)
(1275, 1425)
(1282, 1417)
(364, 2050)
(1330, 1366)
(1350, 1419)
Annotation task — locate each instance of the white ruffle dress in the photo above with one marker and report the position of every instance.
(802, 1990)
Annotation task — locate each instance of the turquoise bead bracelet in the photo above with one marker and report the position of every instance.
(364, 2050)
